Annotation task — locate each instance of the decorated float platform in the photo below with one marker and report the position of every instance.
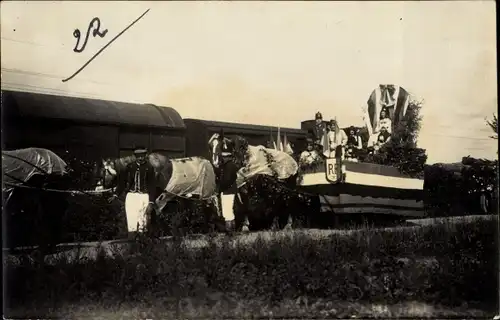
(347, 187)
(391, 184)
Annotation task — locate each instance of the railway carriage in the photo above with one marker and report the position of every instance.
(89, 129)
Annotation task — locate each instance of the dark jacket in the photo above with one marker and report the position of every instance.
(352, 141)
(147, 180)
(319, 131)
(385, 134)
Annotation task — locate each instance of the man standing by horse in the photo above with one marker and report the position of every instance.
(138, 185)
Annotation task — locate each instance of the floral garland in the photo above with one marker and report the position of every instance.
(242, 156)
(317, 165)
(270, 162)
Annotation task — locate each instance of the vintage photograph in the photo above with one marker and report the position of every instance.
(249, 159)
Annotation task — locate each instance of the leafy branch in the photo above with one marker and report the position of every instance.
(493, 124)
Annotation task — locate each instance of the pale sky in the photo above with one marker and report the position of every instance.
(272, 63)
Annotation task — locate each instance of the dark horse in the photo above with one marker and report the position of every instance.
(33, 212)
(263, 196)
(184, 187)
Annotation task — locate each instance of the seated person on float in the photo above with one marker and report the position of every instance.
(377, 140)
(310, 155)
(354, 144)
(381, 131)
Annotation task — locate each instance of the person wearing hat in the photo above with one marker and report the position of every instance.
(310, 155)
(354, 143)
(384, 121)
(378, 139)
(319, 128)
(139, 188)
(337, 139)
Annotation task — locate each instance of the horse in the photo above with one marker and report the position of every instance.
(177, 182)
(34, 212)
(266, 192)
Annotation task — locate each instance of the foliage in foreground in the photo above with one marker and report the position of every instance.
(220, 306)
(493, 124)
(442, 264)
(455, 189)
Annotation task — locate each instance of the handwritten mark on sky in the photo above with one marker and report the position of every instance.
(102, 49)
(97, 32)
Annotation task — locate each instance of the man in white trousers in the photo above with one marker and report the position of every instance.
(139, 188)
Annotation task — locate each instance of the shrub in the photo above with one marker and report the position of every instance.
(448, 263)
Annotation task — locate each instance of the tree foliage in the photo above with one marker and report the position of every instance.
(493, 124)
(455, 189)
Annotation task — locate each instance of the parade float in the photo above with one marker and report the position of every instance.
(382, 179)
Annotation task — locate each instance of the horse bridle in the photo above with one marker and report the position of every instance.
(108, 170)
(216, 142)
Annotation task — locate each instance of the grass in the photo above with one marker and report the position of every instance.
(445, 269)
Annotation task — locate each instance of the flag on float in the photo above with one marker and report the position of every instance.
(288, 147)
(278, 141)
(394, 98)
(325, 143)
(272, 140)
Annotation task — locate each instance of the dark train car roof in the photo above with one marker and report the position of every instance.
(246, 128)
(83, 110)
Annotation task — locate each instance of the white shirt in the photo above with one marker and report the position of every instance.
(384, 123)
(337, 139)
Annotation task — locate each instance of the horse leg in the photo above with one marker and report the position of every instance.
(285, 211)
(246, 224)
(289, 222)
(240, 210)
(295, 207)
(275, 224)
(214, 220)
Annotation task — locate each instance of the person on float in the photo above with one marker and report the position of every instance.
(337, 140)
(385, 124)
(354, 143)
(328, 127)
(381, 139)
(319, 128)
(310, 155)
(384, 121)
(139, 188)
(374, 129)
